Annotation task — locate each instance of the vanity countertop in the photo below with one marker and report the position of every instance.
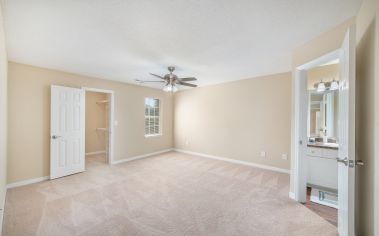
(323, 145)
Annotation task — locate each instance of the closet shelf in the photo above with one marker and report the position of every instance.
(102, 101)
(102, 129)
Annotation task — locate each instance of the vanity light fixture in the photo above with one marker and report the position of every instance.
(321, 87)
(334, 85)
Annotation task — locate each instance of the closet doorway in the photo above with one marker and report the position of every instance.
(98, 126)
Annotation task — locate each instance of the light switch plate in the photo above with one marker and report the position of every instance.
(263, 154)
(284, 156)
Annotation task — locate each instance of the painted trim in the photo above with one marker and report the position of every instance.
(97, 90)
(27, 182)
(141, 156)
(95, 153)
(291, 195)
(266, 167)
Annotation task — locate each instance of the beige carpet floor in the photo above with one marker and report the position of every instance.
(169, 194)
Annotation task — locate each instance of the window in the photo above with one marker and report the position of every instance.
(152, 117)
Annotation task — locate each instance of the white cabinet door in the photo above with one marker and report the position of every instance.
(322, 171)
(67, 149)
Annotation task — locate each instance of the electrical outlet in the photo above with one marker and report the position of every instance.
(263, 154)
(187, 142)
(115, 123)
(284, 156)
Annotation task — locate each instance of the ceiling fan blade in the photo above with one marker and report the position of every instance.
(158, 76)
(187, 84)
(188, 79)
(149, 81)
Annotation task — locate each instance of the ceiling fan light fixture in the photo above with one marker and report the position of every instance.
(171, 80)
(170, 88)
(167, 88)
(174, 88)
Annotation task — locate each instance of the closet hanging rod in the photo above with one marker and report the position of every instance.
(102, 129)
(102, 101)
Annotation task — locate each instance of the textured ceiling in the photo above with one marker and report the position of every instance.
(123, 40)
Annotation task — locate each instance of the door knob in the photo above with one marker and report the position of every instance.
(55, 136)
(345, 161)
(350, 163)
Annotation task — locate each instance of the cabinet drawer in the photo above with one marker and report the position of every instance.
(330, 153)
(317, 152)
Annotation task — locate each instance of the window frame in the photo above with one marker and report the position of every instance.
(160, 128)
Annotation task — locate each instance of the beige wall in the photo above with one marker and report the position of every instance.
(367, 120)
(29, 118)
(3, 117)
(325, 73)
(237, 120)
(96, 117)
(368, 117)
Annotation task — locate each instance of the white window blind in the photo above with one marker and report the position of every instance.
(152, 117)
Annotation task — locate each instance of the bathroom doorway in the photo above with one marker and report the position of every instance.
(322, 142)
(345, 159)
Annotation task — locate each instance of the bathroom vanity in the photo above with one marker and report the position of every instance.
(322, 169)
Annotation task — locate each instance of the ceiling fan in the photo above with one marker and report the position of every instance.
(171, 80)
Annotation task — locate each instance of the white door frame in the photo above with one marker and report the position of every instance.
(299, 140)
(110, 93)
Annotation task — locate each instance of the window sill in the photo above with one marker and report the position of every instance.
(152, 135)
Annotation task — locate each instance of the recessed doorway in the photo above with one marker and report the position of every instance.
(98, 126)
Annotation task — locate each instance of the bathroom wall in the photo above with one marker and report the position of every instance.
(325, 73)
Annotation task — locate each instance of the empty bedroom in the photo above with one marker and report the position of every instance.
(189, 117)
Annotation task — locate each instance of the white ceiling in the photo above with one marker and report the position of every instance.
(123, 40)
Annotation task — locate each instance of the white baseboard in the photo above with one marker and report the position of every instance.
(27, 181)
(95, 153)
(141, 156)
(40, 179)
(266, 167)
(291, 195)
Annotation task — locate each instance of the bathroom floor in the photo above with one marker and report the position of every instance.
(328, 213)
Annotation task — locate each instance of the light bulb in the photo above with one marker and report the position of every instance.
(167, 88)
(321, 87)
(334, 85)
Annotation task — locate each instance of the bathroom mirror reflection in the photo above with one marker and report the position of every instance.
(323, 115)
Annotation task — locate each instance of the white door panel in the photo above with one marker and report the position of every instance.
(346, 170)
(67, 131)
